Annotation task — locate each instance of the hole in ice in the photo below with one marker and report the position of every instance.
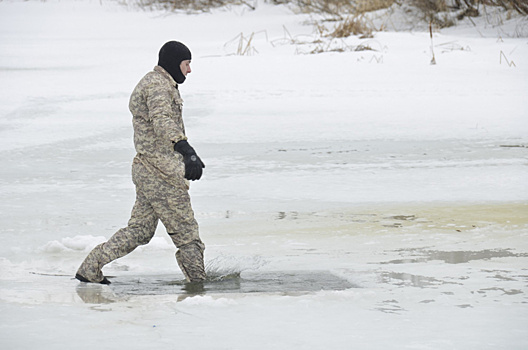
(284, 282)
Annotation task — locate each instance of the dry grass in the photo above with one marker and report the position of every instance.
(467, 8)
(335, 20)
(349, 16)
(365, 6)
(352, 25)
(190, 5)
(444, 13)
(242, 45)
(508, 62)
(344, 8)
(520, 6)
(340, 8)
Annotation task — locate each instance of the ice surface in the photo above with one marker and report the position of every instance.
(401, 182)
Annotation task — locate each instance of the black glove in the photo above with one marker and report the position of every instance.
(193, 163)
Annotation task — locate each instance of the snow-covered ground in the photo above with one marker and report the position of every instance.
(404, 180)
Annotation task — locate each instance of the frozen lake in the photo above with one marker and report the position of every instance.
(353, 200)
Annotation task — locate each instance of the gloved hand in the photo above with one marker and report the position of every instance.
(193, 163)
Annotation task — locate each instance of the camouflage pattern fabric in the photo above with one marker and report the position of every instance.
(189, 257)
(161, 189)
(156, 106)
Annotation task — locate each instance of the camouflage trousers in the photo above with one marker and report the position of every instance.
(155, 200)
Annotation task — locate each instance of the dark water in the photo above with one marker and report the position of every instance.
(254, 282)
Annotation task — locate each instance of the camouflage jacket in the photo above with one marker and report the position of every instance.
(156, 108)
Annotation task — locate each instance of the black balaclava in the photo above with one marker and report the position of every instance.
(171, 56)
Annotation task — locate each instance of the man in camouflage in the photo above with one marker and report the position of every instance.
(161, 170)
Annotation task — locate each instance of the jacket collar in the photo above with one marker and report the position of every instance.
(166, 75)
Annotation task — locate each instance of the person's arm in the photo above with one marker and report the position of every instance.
(159, 103)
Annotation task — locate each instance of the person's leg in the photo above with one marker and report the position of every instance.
(183, 230)
(140, 230)
(173, 207)
(190, 258)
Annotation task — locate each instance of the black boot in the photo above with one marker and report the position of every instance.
(82, 279)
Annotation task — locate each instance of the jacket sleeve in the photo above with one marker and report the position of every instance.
(159, 102)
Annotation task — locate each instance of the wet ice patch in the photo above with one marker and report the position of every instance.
(454, 257)
(407, 279)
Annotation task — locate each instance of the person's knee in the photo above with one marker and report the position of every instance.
(142, 234)
(185, 236)
(143, 240)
